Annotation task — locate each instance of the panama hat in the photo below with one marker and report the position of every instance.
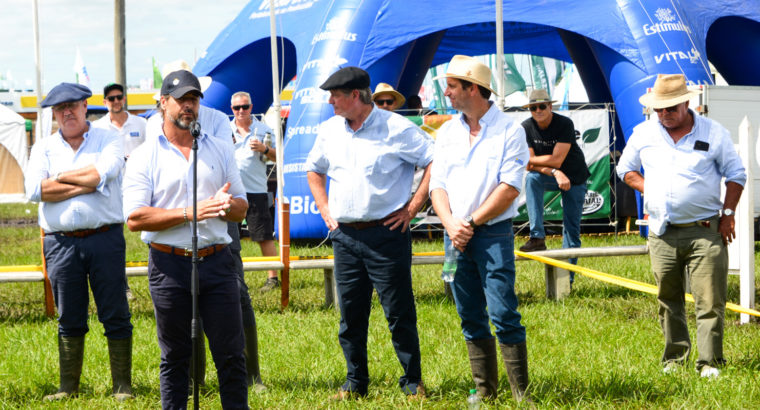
(385, 88)
(177, 65)
(537, 97)
(668, 90)
(469, 69)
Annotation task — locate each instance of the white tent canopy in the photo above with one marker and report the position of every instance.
(13, 153)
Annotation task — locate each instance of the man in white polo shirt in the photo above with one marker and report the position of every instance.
(130, 127)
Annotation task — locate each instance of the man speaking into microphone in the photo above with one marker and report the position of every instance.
(158, 200)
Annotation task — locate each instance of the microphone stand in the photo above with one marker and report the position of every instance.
(196, 326)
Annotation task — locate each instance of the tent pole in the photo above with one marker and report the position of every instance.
(281, 205)
(500, 53)
(38, 69)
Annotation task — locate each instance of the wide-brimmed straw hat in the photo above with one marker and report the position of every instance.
(177, 65)
(668, 90)
(469, 69)
(538, 97)
(387, 89)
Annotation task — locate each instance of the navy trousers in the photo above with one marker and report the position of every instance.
(219, 305)
(98, 259)
(377, 258)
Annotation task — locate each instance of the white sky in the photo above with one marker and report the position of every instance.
(165, 29)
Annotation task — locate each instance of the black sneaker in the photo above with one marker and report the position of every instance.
(270, 284)
(534, 244)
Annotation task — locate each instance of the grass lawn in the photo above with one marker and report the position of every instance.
(598, 348)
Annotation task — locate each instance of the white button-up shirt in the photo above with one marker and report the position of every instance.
(158, 175)
(252, 165)
(469, 174)
(682, 180)
(52, 155)
(370, 170)
(132, 133)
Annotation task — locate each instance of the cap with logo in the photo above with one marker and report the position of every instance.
(179, 83)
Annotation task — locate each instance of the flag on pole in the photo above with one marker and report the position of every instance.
(81, 71)
(514, 81)
(540, 77)
(157, 80)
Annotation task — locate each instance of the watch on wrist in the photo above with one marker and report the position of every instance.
(554, 171)
(57, 177)
(470, 221)
(266, 151)
(728, 212)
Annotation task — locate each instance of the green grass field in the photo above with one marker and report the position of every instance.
(598, 348)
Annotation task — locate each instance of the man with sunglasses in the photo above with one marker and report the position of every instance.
(556, 163)
(386, 98)
(130, 127)
(684, 157)
(251, 155)
(75, 175)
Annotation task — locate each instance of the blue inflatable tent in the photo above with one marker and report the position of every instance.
(618, 47)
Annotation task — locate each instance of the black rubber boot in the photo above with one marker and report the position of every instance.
(252, 359)
(120, 353)
(70, 356)
(515, 359)
(484, 366)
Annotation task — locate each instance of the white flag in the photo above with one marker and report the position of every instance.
(81, 71)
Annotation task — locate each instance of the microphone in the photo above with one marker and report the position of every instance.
(195, 129)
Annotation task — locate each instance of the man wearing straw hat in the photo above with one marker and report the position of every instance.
(556, 163)
(685, 157)
(386, 98)
(369, 155)
(75, 175)
(478, 167)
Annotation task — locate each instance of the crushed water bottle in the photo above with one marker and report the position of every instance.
(473, 401)
(450, 255)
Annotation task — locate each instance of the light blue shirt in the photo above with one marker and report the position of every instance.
(52, 155)
(370, 170)
(159, 176)
(213, 122)
(252, 165)
(682, 180)
(469, 174)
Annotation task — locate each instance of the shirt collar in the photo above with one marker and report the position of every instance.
(489, 116)
(89, 127)
(373, 114)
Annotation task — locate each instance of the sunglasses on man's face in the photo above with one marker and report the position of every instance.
(241, 107)
(384, 102)
(668, 109)
(538, 107)
(113, 98)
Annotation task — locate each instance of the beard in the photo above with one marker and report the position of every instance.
(181, 123)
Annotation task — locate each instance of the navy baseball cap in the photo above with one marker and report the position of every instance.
(113, 86)
(66, 92)
(179, 83)
(352, 78)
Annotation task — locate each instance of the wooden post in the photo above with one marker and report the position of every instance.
(557, 282)
(285, 255)
(49, 301)
(331, 290)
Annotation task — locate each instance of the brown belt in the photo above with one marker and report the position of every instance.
(704, 222)
(83, 233)
(202, 252)
(365, 224)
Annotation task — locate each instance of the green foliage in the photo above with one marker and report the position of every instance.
(598, 348)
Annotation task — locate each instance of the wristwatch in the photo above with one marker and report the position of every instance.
(266, 151)
(728, 212)
(469, 220)
(57, 177)
(554, 171)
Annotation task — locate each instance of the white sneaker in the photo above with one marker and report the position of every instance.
(709, 372)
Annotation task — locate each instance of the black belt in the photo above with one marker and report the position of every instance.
(365, 224)
(202, 252)
(83, 233)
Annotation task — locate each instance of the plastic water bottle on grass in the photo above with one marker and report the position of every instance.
(450, 255)
(473, 402)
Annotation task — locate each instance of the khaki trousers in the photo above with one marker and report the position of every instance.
(700, 250)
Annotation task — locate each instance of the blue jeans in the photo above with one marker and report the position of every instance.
(377, 258)
(484, 285)
(98, 259)
(536, 184)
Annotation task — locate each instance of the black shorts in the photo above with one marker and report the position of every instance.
(258, 218)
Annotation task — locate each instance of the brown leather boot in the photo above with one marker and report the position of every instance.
(70, 356)
(484, 366)
(120, 354)
(515, 359)
(534, 244)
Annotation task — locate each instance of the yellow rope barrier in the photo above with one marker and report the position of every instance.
(617, 280)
